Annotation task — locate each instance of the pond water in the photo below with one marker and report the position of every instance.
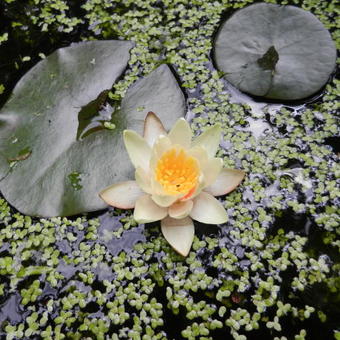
(271, 272)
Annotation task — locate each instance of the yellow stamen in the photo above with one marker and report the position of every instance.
(177, 171)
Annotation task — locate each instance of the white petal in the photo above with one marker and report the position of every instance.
(179, 233)
(143, 180)
(199, 153)
(180, 209)
(165, 200)
(157, 188)
(122, 195)
(227, 181)
(211, 170)
(209, 139)
(146, 210)
(161, 145)
(181, 133)
(153, 128)
(207, 209)
(138, 149)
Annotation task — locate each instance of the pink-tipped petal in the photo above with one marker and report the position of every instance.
(179, 233)
(153, 128)
(122, 195)
(181, 133)
(207, 209)
(138, 149)
(180, 209)
(227, 181)
(147, 211)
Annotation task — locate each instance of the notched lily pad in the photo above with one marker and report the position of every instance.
(269, 60)
(66, 89)
(278, 52)
(90, 118)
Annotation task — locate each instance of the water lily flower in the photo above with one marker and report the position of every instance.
(176, 180)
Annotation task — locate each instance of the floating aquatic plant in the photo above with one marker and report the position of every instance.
(279, 52)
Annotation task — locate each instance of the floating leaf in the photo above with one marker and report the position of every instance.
(63, 174)
(89, 116)
(279, 52)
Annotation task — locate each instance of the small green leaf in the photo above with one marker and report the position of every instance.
(28, 271)
(75, 179)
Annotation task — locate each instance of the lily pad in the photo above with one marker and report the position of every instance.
(46, 169)
(278, 52)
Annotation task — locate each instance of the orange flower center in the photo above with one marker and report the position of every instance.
(177, 172)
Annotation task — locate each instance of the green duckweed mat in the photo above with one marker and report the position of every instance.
(271, 272)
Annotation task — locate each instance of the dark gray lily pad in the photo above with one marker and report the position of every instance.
(279, 52)
(54, 172)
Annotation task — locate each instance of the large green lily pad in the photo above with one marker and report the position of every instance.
(56, 173)
(279, 52)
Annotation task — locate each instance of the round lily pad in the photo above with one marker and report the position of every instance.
(52, 162)
(278, 52)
